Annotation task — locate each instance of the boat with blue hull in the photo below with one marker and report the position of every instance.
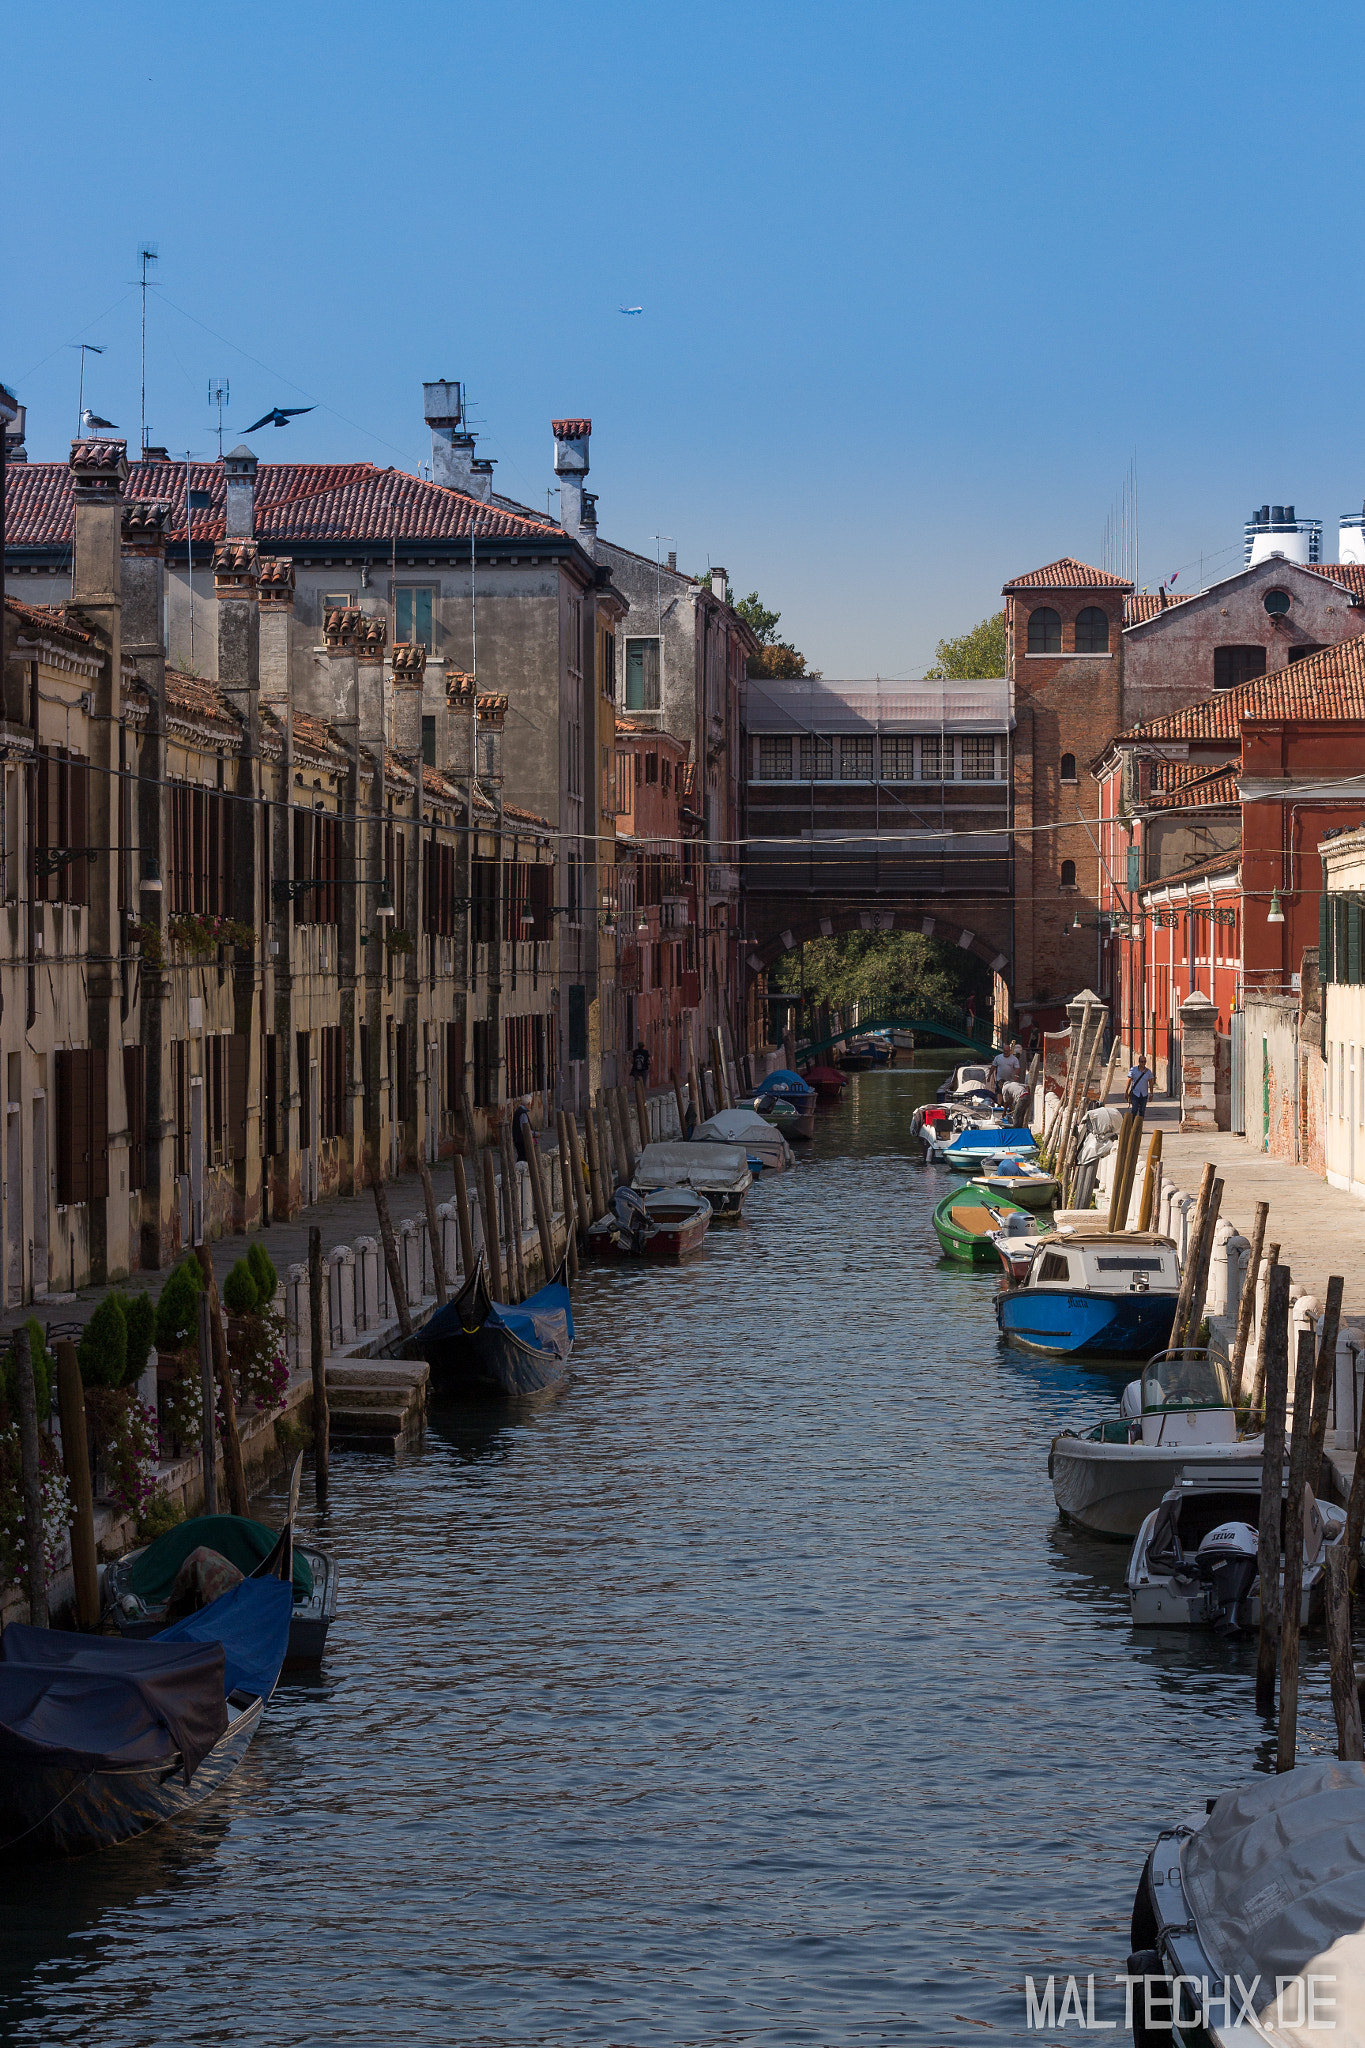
(1113, 1296)
(475, 1345)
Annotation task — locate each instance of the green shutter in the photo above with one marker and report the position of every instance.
(1353, 940)
(1132, 867)
(1324, 937)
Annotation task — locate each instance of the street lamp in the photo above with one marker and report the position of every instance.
(1274, 915)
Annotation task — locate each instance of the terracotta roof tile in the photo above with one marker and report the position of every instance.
(1181, 785)
(1147, 604)
(294, 501)
(570, 430)
(1066, 574)
(192, 697)
(1349, 574)
(49, 618)
(1324, 688)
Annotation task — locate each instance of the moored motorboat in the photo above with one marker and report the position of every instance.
(970, 1147)
(1019, 1176)
(147, 1589)
(485, 1348)
(1249, 1920)
(828, 1083)
(903, 1041)
(1111, 1293)
(744, 1127)
(786, 1100)
(1015, 1244)
(969, 1078)
(1109, 1479)
(1195, 1559)
(666, 1225)
(102, 1738)
(720, 1172)
(856, 1056)
(966, 1221)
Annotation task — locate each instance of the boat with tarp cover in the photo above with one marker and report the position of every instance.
(475, 1345)
(967, 1221)
(102, 1738)
(148, 1589)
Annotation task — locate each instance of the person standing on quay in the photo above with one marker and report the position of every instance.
(1139, 1086)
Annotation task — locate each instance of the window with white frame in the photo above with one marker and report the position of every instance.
(775, 757)
(642, 675)
(898, 758)
(855, 758)
(412, 609)
(978, 757)
(817, 757)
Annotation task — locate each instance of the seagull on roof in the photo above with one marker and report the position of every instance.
(279, 416)
(93, 424)
(632, 309)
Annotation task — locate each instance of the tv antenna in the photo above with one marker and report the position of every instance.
(91, 348)
(220, 394)
(145, 256)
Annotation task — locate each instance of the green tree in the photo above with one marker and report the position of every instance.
(978, 653)
(895, 974)
(775, 657)
(761, 622)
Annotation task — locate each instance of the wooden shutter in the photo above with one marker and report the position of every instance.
(454, 1065)
(304, 1053)
(237, 1069)
(1353, 940)
(302, 866)
(401, 1055)
(1325, 938)
(77, 889)
(134, 1093)
(73, 1125)
(339, 1080)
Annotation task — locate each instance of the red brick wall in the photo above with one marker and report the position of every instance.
(1064, 704)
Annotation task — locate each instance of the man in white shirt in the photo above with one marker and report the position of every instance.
(1005, 1067)
(1139, 1086)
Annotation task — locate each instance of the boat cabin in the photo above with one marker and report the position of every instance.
(1184, 1397)
(1126, 1262)
(1202, 1501)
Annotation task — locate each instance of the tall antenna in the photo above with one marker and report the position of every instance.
(86, 348)
(1119, 550)
(145, 255)
(220, 394)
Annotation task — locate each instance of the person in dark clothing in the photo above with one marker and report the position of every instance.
(522, 1133)
(639, 1061)
(1139, 1086)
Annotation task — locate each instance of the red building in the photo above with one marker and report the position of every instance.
(1209, 823)
(658, 848)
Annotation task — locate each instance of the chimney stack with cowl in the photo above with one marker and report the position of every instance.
(452, 448)
(239, 473)
(571, 467)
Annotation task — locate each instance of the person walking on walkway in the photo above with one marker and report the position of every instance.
(1139, 1086)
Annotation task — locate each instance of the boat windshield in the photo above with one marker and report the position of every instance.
(1186, 1379)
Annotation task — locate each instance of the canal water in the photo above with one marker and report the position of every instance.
(748, 1693)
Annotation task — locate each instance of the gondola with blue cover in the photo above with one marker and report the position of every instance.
(478, 1346)
(102, 1738)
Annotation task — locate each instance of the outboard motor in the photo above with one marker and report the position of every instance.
(1226, 1562)
(1130, 1406)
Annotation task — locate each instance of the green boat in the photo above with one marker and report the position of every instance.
(965, 1218)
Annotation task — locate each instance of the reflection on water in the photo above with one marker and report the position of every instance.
(747, 1693)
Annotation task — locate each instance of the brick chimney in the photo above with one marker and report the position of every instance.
(342, 631)
(370, 647)
(239, 471)
(235, 566)
(456, 756)
(275, 589)
(409, 678)
(143, 535)
(571, 467)
(452, 448)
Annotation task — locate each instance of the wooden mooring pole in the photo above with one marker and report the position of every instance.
(1287, 1736)
(35, 1546)
(1275, 1350)
(208, 1434)
(491, 1252)
(317, 1351)
(76, 1462)
(462, 1218)
(1246, 1307)
(1345, 1693)
(438, 1263)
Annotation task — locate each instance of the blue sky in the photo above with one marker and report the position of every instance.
(918, 282)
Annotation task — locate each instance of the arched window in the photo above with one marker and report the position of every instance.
(1068, 874)
(1092, 631)
(1068, 767)
(1044, 631)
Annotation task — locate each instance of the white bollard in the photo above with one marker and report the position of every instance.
(295, 1311)
(341, 1294)
(450, 1239)
(367, 1316)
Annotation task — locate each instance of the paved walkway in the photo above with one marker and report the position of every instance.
(1320, 1230)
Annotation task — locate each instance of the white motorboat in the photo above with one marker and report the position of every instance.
(720, 1172)
(1194, 1563)
(1109, 1480)
(1248, 1925)
(1019, 1176)
(744, 1127)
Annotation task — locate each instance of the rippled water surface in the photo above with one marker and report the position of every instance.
(748, 1693)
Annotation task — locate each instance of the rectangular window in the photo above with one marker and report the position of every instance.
(236, 1094)
(412, 618)
(135, 1099)
(438, 882)
(817, 757)
(578, 1021)
(429, 739)
(651, 767)
(317, 858)
(485, 906)
(454, 1065)
(898, 758)
(931, 759)
(332, 1080)
(62, 819)
(642, 675)
(82, 1076)
(270, 1091)
(978, 757)
(775, 757)
(1134, 860)
(855, 758)
(1234, 665)
(485, 1064)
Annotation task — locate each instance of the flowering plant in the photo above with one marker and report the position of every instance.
(148, 937)
(127, 1444)
(195, 934)
(181, 1401)
(399, 942)
(56, 1497)
(258, 1357)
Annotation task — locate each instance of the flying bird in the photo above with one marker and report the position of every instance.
(279, 416)
(93, 424)
(632, 309)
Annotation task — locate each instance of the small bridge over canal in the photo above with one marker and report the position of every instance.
(971, 1036)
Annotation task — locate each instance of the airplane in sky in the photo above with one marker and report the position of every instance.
(632, 309)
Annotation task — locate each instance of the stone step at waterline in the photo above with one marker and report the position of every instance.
(378, 1401)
